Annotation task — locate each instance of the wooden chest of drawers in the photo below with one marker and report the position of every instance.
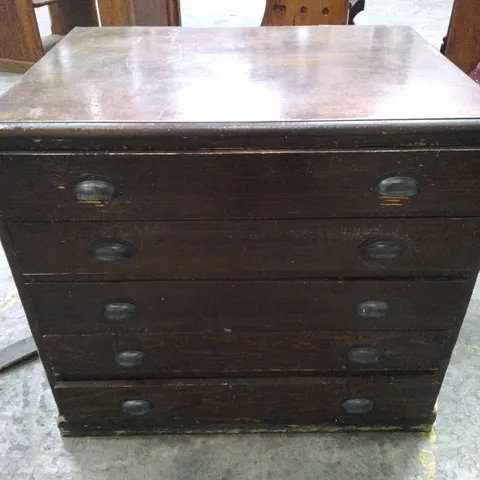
(235, 230)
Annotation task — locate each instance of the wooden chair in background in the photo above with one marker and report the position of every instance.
(277, 12)
(21, 45)
(462, 43)
(305, 12)
(311, 12)
(139, 12)
(20, 42)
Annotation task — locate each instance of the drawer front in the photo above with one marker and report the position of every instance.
(205, 403)
(76, 357)
(136, 307)
(153, 186)
(247, 249)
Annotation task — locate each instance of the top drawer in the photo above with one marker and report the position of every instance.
(248, 185)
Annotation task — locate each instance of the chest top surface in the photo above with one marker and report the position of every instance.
(241, 75)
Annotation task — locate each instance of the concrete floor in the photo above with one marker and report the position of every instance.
(31, 448)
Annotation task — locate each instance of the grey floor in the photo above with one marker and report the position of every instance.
(31, 448)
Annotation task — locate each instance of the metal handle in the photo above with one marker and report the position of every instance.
(129, 358)
(136, 408)
(398, 187)
(363, 355)
(372, 309)
(358, 405)
(94, 191)
(119, 310)
(110, 251)
(383, 249)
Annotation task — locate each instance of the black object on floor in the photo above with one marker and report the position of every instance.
(17, 353)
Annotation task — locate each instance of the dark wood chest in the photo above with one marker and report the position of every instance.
(259, 229)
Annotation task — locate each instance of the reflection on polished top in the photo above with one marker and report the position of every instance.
(143, 74)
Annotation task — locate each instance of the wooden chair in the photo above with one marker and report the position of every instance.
(21, 45)
(462, 43)
(311, 12)
(139, 12)
(305, 12)
(277, 12)
(20, 42)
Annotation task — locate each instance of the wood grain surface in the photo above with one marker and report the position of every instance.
(240, 76)
(270, 249)
(20, 42)
(305, 12)
(266, 184)
(78, 308)
(65, 15)
(245, 404)
(170, 355)
(294, 135)
(463, 39)
(245, 226)
(117, 13)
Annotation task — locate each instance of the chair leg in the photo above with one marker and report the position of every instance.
(356, 6)
(462, 44)
(68, 14)
(20, 42)
(116, 13)
(305, 12)
(139, 12)
(173, 13)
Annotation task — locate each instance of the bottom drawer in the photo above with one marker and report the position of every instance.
(249, 405)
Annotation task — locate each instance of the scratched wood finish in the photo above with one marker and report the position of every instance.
(240, 75)
(83, 357)
(78, 308)
(246, 404)
(9, 251)
(268, 249)
(155, 186)
(305, 12)
(246, 162)
(307, 135)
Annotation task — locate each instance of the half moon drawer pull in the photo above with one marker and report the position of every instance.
(110, 251)
(398, 187)
(363, 355)
(136, 408)
(129, 358)
(372, 309)
(358, 405)
(382, 249)
(119, 310)
(94, 191)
